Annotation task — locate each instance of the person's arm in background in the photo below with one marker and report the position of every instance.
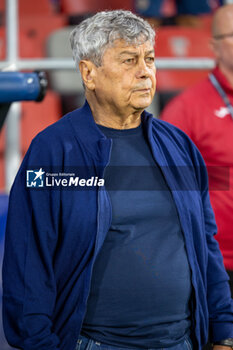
(220, 304)
(179, 113)
(29, 286)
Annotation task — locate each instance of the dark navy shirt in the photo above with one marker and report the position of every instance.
(141, 281)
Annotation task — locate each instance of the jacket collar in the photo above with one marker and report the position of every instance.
(88, 132)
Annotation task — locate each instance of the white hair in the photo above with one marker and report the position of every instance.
(94, 35)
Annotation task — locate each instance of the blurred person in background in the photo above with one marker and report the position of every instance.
(130, 265)
(205, 113)
(181, 12)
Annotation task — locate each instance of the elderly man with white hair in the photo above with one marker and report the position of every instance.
(121, 255)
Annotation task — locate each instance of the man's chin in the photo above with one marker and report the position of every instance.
(141, 106)
(142, 103)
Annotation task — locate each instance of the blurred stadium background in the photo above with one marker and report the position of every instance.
(34, 36)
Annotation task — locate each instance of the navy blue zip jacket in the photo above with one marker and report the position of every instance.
(54, 235)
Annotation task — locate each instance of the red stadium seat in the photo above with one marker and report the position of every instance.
(34, 118)
(119, 4)
(27, 46)
(37, 116)
(38, 28)
(34, 31)
(181, 42)
(80, 7)
(29, 7)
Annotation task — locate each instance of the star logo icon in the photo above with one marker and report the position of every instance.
(38, 174)
(35, 178)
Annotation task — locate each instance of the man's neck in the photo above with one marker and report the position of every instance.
(228, 73)
(107, 116)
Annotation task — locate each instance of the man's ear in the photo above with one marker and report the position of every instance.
(87, 70)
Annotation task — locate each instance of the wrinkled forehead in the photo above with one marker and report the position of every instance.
(139, 40)
(120, 45)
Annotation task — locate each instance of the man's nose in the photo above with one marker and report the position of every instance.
(143, 71)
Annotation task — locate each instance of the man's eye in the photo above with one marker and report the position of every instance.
(129, 61)
(150, 59)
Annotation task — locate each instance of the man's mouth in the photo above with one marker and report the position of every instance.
(142, 90)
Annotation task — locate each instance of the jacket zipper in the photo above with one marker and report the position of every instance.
(193, 282)
(97, 234)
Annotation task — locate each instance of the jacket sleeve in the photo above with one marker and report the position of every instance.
(29, 285)
(220, 304)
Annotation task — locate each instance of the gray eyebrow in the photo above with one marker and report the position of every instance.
(134, 53)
